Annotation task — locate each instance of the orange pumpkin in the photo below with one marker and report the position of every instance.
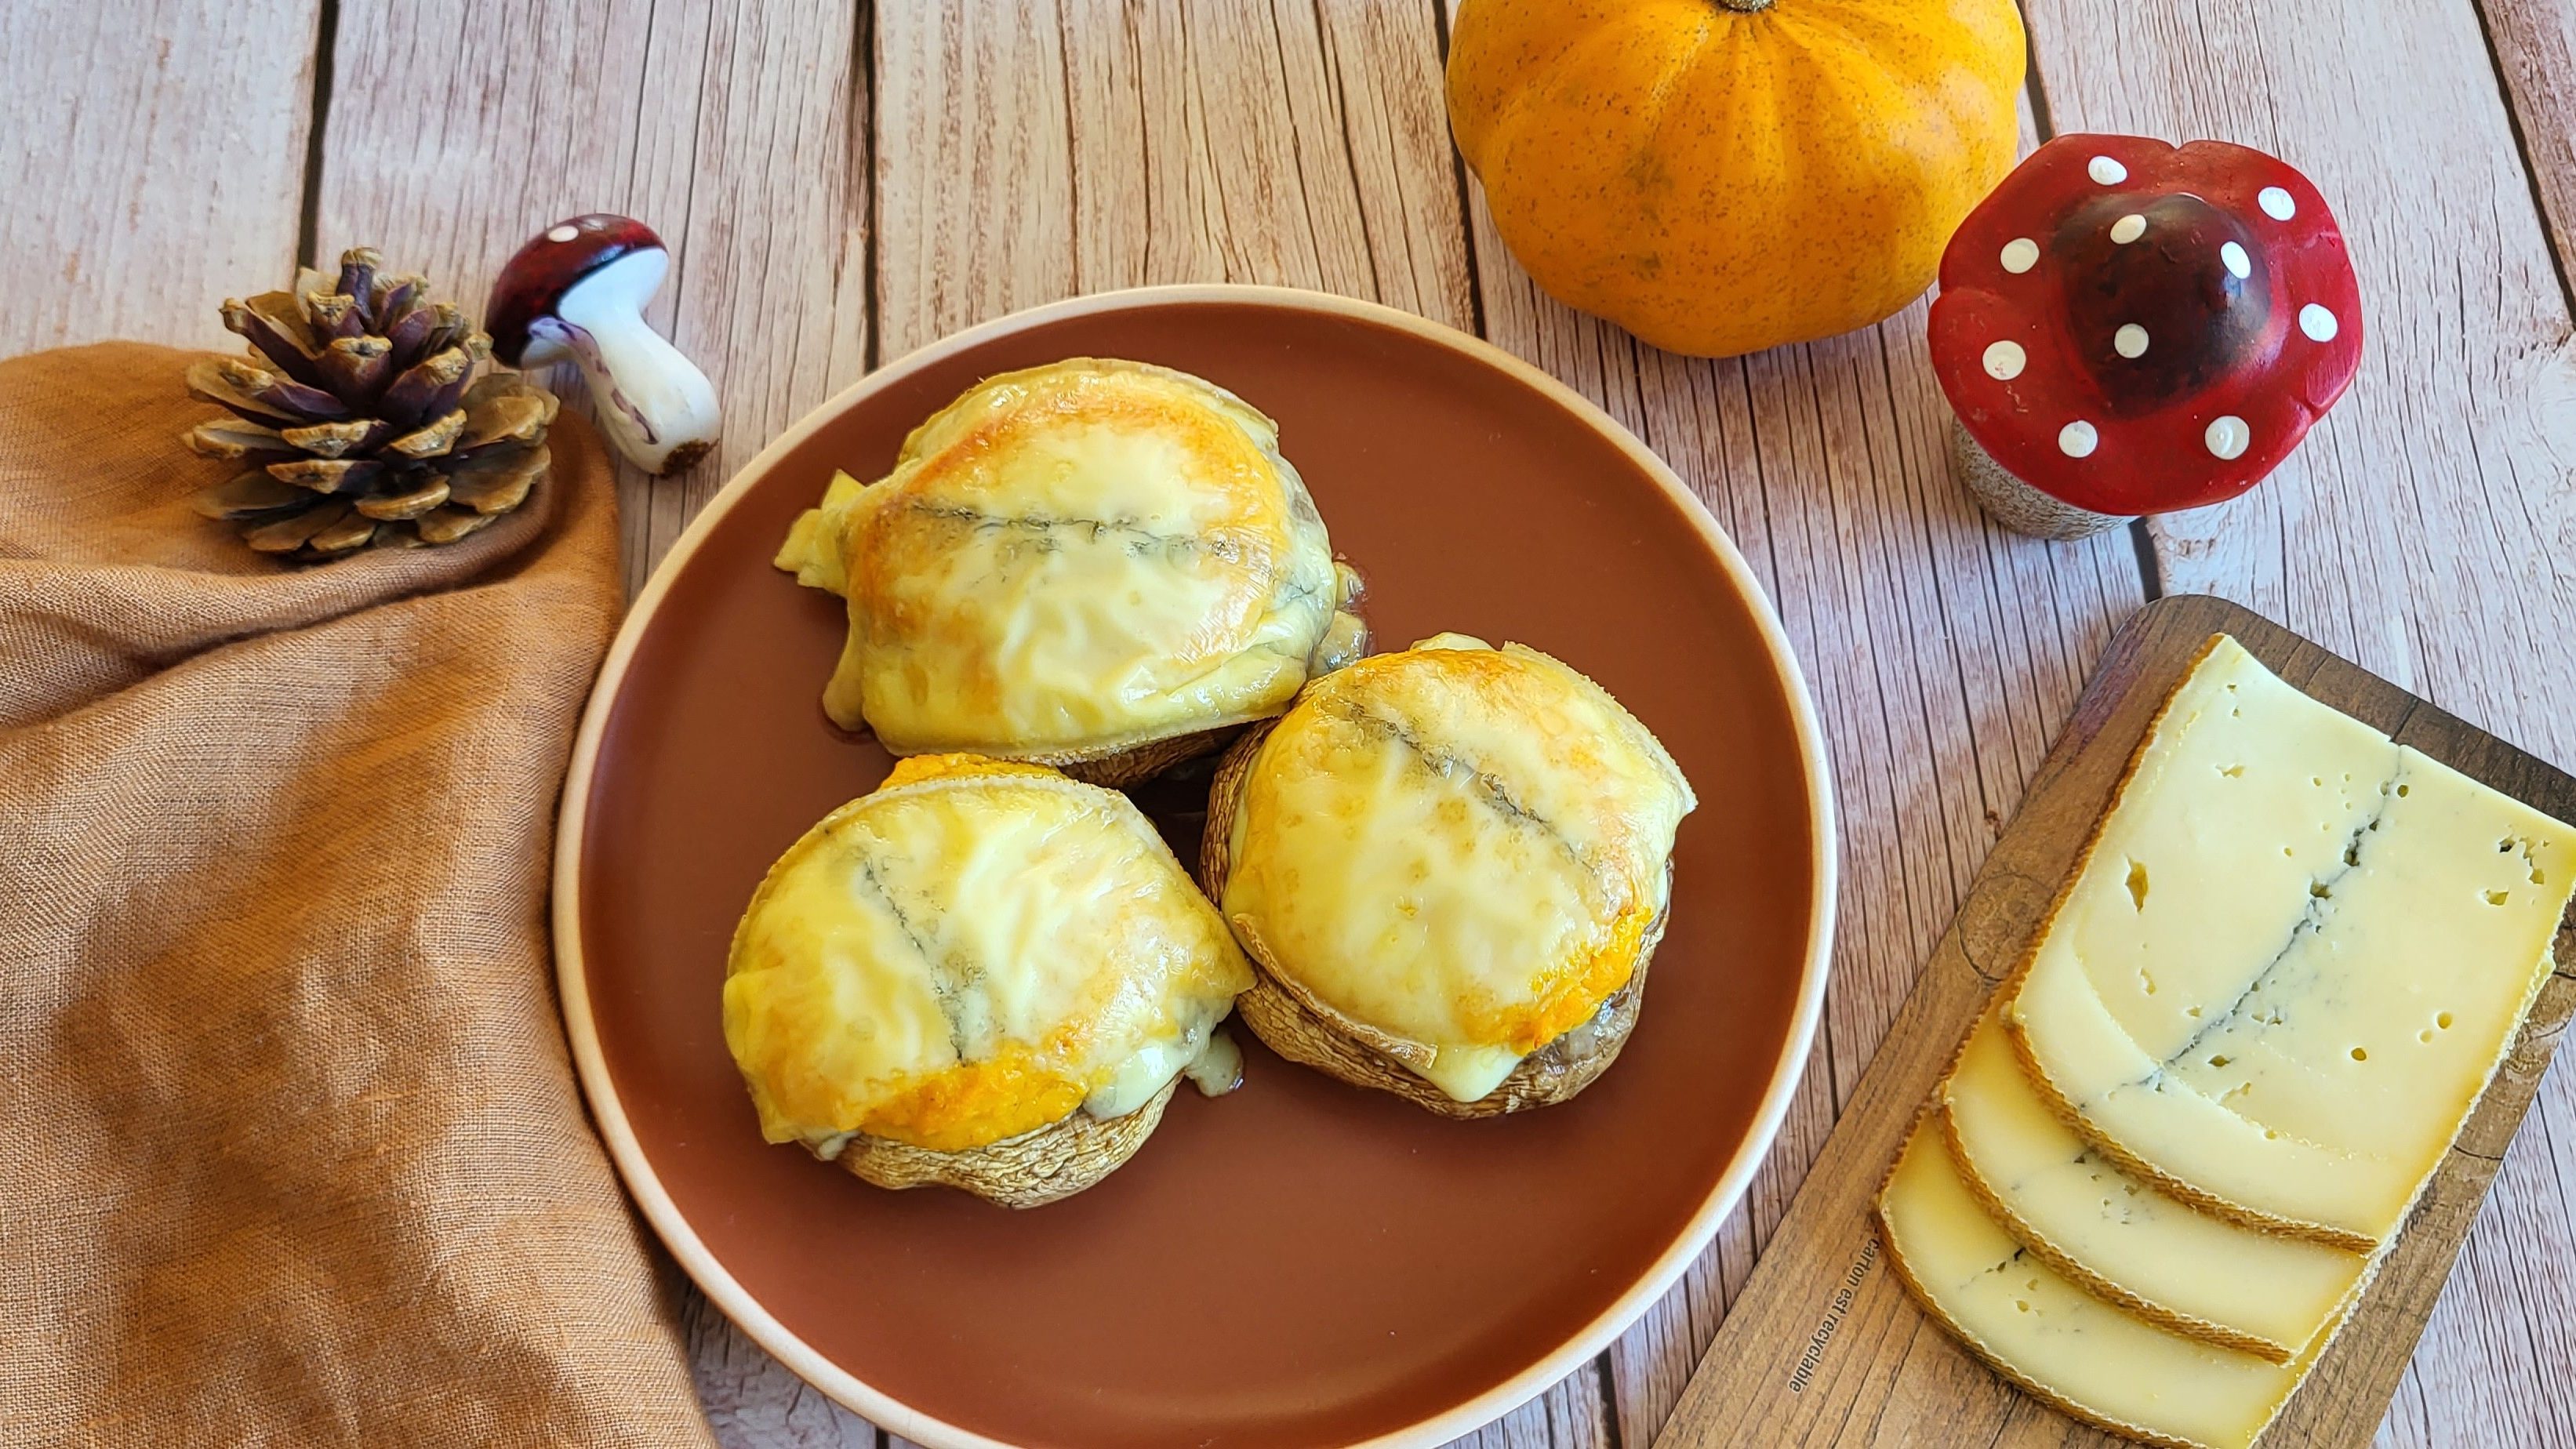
(1720, 176)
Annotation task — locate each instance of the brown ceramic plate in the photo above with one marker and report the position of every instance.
(1301, 1263)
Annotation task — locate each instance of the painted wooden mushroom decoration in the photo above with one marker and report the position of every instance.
(577, 290)
(2127, 327)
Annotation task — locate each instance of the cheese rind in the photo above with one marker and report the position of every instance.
(2290, 960)
(2056, 1341)
(2122, 1239)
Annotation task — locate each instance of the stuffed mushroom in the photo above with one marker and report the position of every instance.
(1100, 565)
(1450, 866)
(981, 974)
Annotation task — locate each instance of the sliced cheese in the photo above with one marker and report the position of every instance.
(2290, 960)
(2056, 1341)
(2122, 1239)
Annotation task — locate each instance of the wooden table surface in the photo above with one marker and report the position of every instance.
(841, 183)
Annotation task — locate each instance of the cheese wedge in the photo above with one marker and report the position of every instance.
(2290, 959)
(2057, 1342)
(2121, 1239)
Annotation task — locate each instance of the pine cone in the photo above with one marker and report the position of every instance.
(362, 420)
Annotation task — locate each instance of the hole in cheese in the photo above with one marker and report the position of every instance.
(2443, 1020)
(2360, 1055)
(2496, 898)
(2138, 888)
(2362, 913)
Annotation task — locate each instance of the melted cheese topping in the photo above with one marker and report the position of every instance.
(1459, 846)
(971, 952)
(1072, 559)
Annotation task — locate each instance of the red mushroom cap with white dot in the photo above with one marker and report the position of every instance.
(2133, 327)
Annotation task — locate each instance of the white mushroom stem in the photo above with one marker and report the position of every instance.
(655, 404)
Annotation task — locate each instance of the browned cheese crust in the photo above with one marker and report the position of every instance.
(1292, 1023)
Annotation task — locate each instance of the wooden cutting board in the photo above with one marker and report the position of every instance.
(1825, 1347)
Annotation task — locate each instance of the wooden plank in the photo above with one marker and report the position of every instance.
(154, 164)
(1942, 651)
(2534, 42)
(2424, 531)
(755, 1402)
(1074, 148)
(736, 129)
(1825, 1347)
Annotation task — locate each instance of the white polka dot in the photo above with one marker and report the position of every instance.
(2236, 260)
(2077, 439)
(2130, 340)
(2109, 173)
(563, 233)
(2128, 229)
(2227, 437)
(2005, 360)
(2020, 255)
(2276, 203)
(2318, 323)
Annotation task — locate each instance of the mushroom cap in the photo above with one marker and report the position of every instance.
(2133, 327)
(532, 283)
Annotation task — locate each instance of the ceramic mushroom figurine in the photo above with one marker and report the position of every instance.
(2127, 327)
(577, 290)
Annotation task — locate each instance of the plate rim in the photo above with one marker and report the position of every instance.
(672, 1226)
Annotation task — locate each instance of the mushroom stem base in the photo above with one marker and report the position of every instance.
(2015, 504)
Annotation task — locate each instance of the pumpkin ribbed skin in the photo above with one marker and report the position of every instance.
(1719, 181)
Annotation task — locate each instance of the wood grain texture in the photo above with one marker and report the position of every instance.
(1027, 156)
(151, 161)
(738, 130)
(1008, 157)
(735, 128)
(2426, 530)
(1826, 1348)
(1942, 652)
(2534, 43)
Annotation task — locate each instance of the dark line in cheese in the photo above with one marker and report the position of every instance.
(1497, 796)
(950, 982)
(2321, 904)
(1224, 546)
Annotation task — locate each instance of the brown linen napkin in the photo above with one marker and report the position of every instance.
(290, 1148)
